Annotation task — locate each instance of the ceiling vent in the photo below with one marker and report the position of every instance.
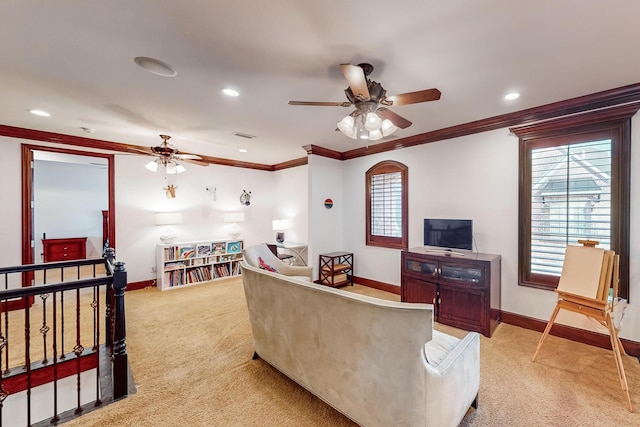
(244, 135)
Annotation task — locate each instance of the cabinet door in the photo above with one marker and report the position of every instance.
(422, 268)
(415, 290)
(463, 308)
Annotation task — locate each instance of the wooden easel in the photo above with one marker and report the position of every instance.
(591, 299)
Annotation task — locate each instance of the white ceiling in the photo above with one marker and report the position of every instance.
(74, 58)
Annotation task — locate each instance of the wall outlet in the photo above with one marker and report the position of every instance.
(153, 269)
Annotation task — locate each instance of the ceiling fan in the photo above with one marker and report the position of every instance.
(167, 157)
(371, 119)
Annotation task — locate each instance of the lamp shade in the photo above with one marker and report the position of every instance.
(168, 218)
(279, 224)
(234, 217)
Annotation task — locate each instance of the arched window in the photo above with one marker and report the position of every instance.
(386, 194)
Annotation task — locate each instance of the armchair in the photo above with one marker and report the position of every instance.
(253, 254)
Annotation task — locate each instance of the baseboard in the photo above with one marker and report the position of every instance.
(377, 285)
(134, 286)
(632, 348)
(569, 332)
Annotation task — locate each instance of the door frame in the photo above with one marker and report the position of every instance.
(27, 197)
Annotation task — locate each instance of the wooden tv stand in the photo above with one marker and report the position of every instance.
(464, 288)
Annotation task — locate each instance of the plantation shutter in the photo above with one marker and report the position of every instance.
(570, 200)
(386, 204)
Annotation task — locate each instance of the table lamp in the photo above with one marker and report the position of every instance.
(168, 218)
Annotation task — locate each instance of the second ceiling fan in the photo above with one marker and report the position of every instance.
(371, 119)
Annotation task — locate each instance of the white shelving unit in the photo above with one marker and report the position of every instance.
(191, 263)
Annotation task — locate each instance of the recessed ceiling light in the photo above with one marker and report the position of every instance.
(243, 150)
(155, 66)
(511, 96)
(230, 92)
(39, 113)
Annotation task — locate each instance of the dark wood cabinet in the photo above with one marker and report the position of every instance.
(64, 249)
(465, 290)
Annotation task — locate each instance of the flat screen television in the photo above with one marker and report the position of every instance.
(448, 233)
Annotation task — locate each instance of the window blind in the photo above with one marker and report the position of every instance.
(570, 200)
(386, 204)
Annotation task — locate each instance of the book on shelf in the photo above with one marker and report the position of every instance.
(336, 267)
(336, 278)
(187, 252)
(204, 250)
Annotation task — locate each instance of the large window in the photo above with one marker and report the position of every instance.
(574, 184)
(386, 194)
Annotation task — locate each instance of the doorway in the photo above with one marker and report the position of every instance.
(67, 208)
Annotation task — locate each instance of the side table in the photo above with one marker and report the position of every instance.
(336, 269)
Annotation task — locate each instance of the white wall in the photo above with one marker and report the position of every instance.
(11, 208)
(290, 198)
(472, 177)
(69, 200)
(326, 230)
(139, 194)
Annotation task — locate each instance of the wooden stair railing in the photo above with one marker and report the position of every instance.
(69, 309)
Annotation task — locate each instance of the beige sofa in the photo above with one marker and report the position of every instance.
(364, 356)
(254, 254)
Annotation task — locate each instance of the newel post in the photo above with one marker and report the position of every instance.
(109, 261)
(120, 365)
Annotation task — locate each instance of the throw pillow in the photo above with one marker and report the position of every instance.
(265, 266)
(439, 347)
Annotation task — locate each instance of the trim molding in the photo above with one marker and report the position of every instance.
(99, 144)
(135, 286)
(291, 163)
(377, 285)
(17, 382)
(569, 332)
(607, 98)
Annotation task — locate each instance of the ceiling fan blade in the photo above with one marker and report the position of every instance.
(187, 156)
(141, 150)
(321, 104)
(195, 162)
(397, 120)
(413, 97)
(357, 81)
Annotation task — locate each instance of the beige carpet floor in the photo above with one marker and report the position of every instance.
(190, 352)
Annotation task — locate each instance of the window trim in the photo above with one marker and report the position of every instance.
(616, 123)
(388, 166)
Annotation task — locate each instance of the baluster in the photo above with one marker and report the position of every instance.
(62, 355)
(44, 329)
(94, 306)
(77, 350)
(3, 344)
(27, 355)
(96, 329)
(6, 331)
(55, 362)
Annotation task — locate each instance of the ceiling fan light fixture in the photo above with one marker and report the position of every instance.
(375, 135)
(152, 166)
(387, 127)
(348, 127)
(173, 167)
(373, 121)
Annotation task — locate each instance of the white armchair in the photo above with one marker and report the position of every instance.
(253, 254)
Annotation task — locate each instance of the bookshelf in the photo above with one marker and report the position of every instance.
(191, 263)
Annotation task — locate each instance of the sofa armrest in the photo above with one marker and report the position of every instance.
(296, 270)
(452, 386)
